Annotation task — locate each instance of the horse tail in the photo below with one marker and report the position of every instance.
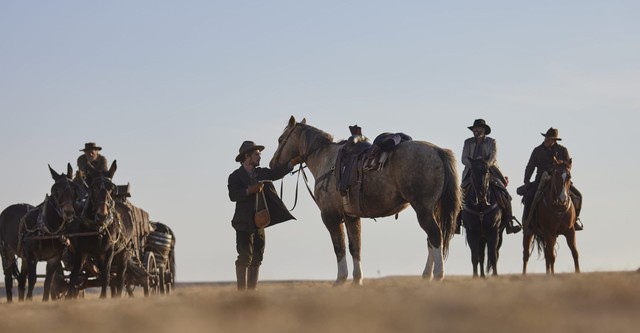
(450, 202)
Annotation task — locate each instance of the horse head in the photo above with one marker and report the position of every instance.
(289, 143)
(480, 176)
(64, 193)
(560, 183)
(100, 204)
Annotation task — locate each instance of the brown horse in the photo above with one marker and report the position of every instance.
(555, 215)
(38, 234)
(417, 173)
(113, 232)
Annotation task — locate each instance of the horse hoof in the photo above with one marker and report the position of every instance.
(339, 282)
(357, 282)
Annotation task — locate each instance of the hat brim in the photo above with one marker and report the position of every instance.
(94, 148)
(550, 137)
(487, 129)
(252, 148)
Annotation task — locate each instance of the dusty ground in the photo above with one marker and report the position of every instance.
(588, 302)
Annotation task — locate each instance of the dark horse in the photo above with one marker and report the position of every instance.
(554, 214)
(482, 217)
(38, 234)
(417, 173)
(108, 232)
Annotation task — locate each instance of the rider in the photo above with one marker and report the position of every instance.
(542, 160)
(482, 146)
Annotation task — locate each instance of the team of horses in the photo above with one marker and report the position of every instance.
(102, 228)
(422, 175)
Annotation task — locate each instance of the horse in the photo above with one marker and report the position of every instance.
(38, 235)
(555, 215)
(107, 230)
(417, 173)
(482, 217)
(9, 240)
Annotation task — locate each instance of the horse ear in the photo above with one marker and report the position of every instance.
(292, 121)
(69, 171)
(112, 169)
(54, 174)
(304, 121)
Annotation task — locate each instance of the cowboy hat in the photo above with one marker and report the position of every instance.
(247, 146)
(90, 146)
(552, 133)
(481, 123)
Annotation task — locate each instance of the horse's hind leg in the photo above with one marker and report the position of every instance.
(8, 269)
(336, 230)
(353, 233)
(571, 242)
(435, 261)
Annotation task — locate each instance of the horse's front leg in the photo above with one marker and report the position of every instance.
(550, 253)
(353, 233)
(32, 277)
(22, 279)
(105, 272)
(52, 266)
(474, 247)
(8, 267)
(571, 242)
(122, 259)
(336, 230)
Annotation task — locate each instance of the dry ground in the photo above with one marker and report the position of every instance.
(588, 302)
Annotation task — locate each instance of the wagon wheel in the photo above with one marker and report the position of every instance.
(172, 271)
(166, 276)
(59, 285)
(151, 282)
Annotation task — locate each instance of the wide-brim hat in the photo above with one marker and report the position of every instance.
(90, 146)
(552, 133)
(246, 147)
(480, 123)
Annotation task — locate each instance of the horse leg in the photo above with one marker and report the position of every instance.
(122, 260)
(105, 272)
(33, 277)
(481, 255)
(571, 242)
(22, 280)
(527, 239)
(435, 262)
(8, 269)
(52, 266)
(474, 246)
(550, 253)
(336, 230)
(353, 233)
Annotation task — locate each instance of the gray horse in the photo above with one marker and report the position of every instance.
(417, 173)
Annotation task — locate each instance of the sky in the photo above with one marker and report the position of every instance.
(171, 89)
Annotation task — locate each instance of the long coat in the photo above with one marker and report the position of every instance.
(238, 183)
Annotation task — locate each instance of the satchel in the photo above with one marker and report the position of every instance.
(262, 218)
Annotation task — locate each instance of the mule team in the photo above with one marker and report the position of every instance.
(355, 179)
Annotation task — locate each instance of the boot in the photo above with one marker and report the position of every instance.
(511, 228)
(252, 282)
(241, 277)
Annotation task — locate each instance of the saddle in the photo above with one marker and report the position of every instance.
(360, 156)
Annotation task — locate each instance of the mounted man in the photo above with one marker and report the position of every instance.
(480, 146)
(541, 160)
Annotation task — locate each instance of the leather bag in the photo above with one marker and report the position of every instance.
(262, 218)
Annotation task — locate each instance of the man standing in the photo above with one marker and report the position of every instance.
(243, 185)
(541, 160)
(480, 146)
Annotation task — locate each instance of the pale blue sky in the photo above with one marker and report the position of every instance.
(171, 89)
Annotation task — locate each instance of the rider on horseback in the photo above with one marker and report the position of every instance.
(480, 146)
(542, 159)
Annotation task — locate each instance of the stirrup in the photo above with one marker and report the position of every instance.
(578, 225)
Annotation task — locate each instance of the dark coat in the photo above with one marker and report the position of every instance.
(238, 183)
(542, 160)
(100, 164)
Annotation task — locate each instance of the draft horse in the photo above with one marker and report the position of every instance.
(554, 214)
(417, 173)
(38, 234)
(108, 235)
(482, 216)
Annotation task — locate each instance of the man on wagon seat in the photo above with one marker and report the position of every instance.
(480, 146)
(91, 159)
(542, 160)
(243, 186)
